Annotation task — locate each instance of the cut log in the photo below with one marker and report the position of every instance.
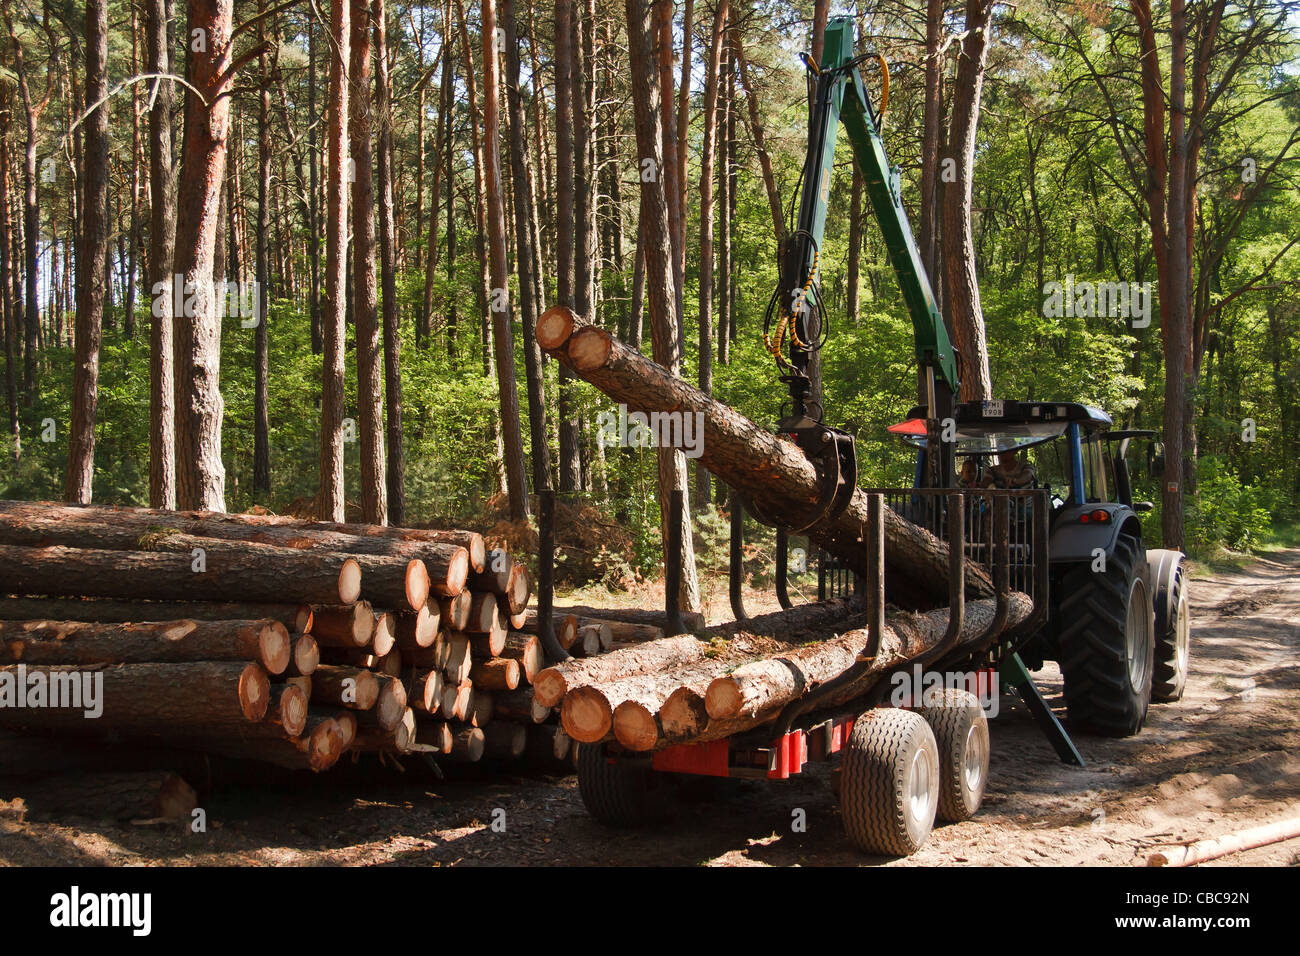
(295, 617)
(458, 661)
(778, 478)
(416, 629)
(457, 700)
(481, 708)
(318, 748)
(551, 684)
(425, 691)
(259, 572)
(287, 709)
(565, 626)
(587, 643)
(385, 637)
(495, 576)
(591, 713)
(305, 657)
(497, 673)
(519, 588)
(154, 699)
(390, 705)
(73, 642)
(350, 626)
(487, 646)
(519, 706)
(1202, 851)
(505, 741)
(693, 620)
(302, 683)
(401, 583)
(339, 686)
(482, 614)
(139, 796)
(44, 524)
(625, 632)
(434, 733)
(454, 611)
(467, 745)
(372, 737)
(527, 650)
(347, 725)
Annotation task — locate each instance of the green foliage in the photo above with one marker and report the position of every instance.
(1227, 512)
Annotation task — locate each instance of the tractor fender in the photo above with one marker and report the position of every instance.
(1164, 567)
(1074, 541)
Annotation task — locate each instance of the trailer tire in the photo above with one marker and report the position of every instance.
(889, 790)
(1108, 643)
(962, 735)
(1173, 642)
(615, 791)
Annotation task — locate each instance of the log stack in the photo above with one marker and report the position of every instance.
(278, 639)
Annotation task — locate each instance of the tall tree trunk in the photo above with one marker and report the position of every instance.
(525, 256)
(388, 276)
(503, 337)
(365, 296)
(684, 106)
(262, 357)
(855, 247)
(668, 169)
(313, 200)
(706, 218)
(7, 311)
(760, 142)
(162, 250)
(932, 122)
(962, 283)
(726, 113)
(334, 317)
(77, 487)
(657, 245)
(570, 464)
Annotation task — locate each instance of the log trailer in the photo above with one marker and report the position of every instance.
(1112, 613)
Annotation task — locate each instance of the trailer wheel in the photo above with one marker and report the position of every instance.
(1108, 643)
(962, 735)
(616, 792)
(1173, 642)
(889, 790)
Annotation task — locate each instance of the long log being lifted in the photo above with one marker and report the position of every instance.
(775, 474)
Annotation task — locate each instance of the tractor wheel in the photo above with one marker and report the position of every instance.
(616, 792)
(1108, 643)
(962, 735)
(889, 789)
(1173, 643)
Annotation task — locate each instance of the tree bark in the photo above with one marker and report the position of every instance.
(162, 250)
(334, 318)
(90, 256)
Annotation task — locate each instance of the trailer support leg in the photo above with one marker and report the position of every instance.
(1014, 672)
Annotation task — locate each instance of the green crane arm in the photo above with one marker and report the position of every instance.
(841, 99)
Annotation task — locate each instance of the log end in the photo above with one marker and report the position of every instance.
(306, 654)
(274, 647)
(349, 581)
(417, 582)
(554, 327)
(385, 636)
(634, 726)
(292, 709)
(549, 687)
(722, 699)
(590, 348)
(586, 715)
(254, 691)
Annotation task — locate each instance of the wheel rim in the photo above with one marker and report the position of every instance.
(918, 789)
(976, 754)
(1136, 637)
(1182, 640)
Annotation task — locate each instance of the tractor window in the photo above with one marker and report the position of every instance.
(1052, 467)
(1096, 465)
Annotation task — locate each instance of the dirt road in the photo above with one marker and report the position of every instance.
(1222, 759)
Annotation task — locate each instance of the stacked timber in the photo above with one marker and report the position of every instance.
(280, 640)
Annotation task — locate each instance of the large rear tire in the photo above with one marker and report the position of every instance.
(1173, 643)
(962, 735)
(1108, 643)
(889, 788)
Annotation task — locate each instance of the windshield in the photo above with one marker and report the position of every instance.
(995, 437)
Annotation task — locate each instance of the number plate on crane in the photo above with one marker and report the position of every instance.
(993, 409)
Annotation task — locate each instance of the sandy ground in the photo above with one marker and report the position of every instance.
(1222, 759)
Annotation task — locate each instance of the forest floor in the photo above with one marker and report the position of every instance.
(1224, 758)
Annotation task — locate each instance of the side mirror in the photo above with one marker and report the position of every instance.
(1142, 507)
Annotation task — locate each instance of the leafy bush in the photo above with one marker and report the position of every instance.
(1225, 511)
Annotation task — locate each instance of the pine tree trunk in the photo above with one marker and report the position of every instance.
(334, 318)
(262, 360)
(94, 246)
